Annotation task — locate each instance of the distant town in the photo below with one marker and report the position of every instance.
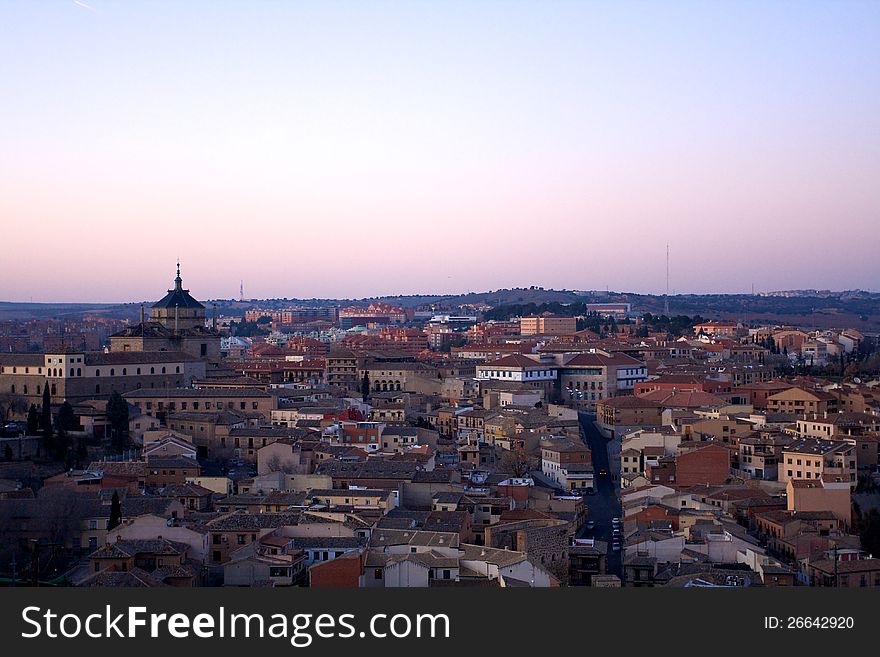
(522, 438)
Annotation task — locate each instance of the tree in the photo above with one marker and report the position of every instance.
(117, 416)
(869, 532)
(33, 421)
(46, 418)
(66, 417)
(11, 404)
(365, 386)
(66, 422)
(115, 512)
(516, 463)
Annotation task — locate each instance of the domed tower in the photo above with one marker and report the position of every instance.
(178, 310)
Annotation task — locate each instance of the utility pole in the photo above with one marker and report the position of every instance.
(836, 580)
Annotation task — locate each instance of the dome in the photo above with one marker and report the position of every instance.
(178, 297)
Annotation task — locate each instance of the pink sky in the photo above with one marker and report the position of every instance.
(327, 150)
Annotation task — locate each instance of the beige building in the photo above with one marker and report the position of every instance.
(547, 325)
(797, 401)
(160, 403)
(815, 459)
(80, 376)
(588, 378)
(811, 495)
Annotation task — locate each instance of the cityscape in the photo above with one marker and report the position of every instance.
(438, 444)
(372, 294)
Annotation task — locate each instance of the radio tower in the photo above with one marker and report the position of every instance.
(666, 296)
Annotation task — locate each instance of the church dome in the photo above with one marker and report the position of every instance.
(178, 297)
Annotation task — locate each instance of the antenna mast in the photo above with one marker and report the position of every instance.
(666, 296)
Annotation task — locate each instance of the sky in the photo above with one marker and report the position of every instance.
(361, 148)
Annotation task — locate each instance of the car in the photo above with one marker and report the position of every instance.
(615, 522)
(615, 533)
(615, 547)
(603, 472)
(591, 524)
(591, 491)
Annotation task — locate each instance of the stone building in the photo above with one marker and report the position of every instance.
(177, 323)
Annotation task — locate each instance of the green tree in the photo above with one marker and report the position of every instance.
(117, 416)
(365, 386)
(66, 417)
(46, 418)
(33, 421)
(115, 512)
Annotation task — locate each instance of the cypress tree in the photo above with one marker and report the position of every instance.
(115, 512)
(46, 417)
(33, 421)
(365, 386)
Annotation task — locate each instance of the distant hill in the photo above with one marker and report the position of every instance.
(856, 309)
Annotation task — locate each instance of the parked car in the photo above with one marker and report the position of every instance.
(591, 524)
(615, 522)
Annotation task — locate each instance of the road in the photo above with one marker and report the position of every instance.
(605, 504)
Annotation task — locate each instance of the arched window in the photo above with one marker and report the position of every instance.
(124, 371)
(139, 370)
(97, 388)
(152, 370)
(13, 388)
(24, 390)
(79, 371)
(71, 371)
(112, 371)
(177, 370)
(54, 391)
(38, 388)
(97, 372)
(163, 370)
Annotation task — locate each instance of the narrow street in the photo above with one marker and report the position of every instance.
(605, 504)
